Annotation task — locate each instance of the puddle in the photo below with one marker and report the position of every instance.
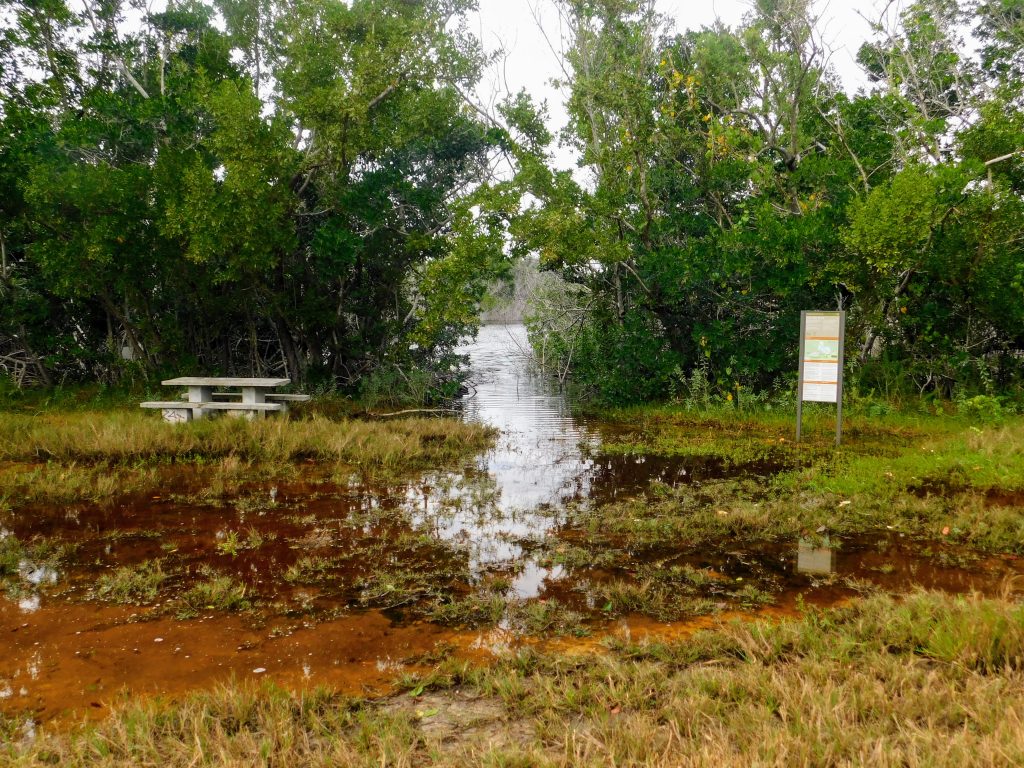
(340, 574)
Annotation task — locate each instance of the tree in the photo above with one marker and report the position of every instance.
(306, 191)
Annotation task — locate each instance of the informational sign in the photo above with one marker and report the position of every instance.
(821, 363)
(819, 345)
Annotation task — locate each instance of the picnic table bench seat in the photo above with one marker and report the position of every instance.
(185, 410)
(222, 405)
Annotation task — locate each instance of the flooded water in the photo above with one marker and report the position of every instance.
(328, 578)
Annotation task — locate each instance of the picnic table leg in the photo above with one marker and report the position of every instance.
(254, 395)
(199, 395)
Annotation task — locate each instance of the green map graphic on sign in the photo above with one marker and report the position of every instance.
(822, 349)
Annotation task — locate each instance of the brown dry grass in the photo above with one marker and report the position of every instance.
(131, 437)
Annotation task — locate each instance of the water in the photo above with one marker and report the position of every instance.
(539, 463)
(540, 459)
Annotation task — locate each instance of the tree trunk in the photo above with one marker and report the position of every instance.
(291, 354)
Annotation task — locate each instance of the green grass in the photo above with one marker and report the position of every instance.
(137, 584)
(217, 592)
(923, 475)
(308, 570)
(478, 609)
(657, 599)
(925, 681)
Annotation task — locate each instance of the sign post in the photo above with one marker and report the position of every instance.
(821, 364)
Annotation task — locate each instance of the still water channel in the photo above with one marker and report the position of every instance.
(344, 579)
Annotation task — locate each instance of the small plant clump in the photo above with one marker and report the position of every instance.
(138, 584)
(477, 609)
(216, 592)
(546, 617)
(308, 570)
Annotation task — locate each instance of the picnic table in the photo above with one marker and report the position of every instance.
(255, 398)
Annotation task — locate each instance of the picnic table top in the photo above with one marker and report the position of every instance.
(223, 381)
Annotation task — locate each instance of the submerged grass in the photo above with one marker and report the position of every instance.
(216, 592)
(138, 584)
(926, 681)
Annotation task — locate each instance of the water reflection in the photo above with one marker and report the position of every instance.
(37, 575)
(29, 603)
(530, 582)
(539, 458)
(815, 558)
(515, 490)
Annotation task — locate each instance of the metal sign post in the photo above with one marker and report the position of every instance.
(822, 336)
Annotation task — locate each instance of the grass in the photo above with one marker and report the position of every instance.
(217, 592)
(127, 436)
(546, 617)
(651, 598)
(926, 681)
(477, 609)
(930, 477)
(18, 559)
(308, 570)
(138, 584)
(62, 457)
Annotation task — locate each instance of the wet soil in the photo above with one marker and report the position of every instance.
(340, 572)
(73, 659)
(63, 652)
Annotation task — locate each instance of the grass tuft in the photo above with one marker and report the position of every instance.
(138, 584)
(217, 592)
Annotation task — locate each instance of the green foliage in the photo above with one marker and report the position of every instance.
(163, 210)
(303, 189)
(216, 592)
(132, 584)
(733, 184)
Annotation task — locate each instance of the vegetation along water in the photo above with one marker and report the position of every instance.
(545, 507)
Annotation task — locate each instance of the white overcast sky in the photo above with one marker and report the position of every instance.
(530, 63)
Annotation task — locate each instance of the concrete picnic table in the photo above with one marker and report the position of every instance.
(257, 397)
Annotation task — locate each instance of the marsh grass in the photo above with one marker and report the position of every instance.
(926, 681)
(133, 437)
(657, 599)
(62, 457)
(545, 617)
(477, 609)
(19, 559)
(938, 486)
(395, 586)
(309, 569)
(136, 584)
(12, 551)
(216, 592)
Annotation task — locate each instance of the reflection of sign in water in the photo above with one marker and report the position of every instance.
(815, 560)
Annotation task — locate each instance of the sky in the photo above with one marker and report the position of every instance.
(512, 25)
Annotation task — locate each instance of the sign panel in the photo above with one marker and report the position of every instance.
(821, 364)
(819, 379)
